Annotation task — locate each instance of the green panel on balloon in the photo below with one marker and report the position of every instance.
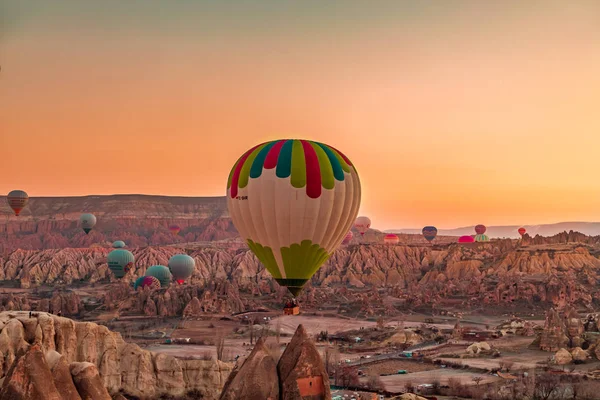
(302, 260)
(265, 255)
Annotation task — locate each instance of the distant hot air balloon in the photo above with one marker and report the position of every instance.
(87, 222)
(348, 237)
(120, 261)
(429, 233)
(362, 225)
(390, 238)
(180, 281)
(17, 200)
(161, 273)
(181, 266)
(146, 281)
(119, 244)
(293, 202)
(466, 239)
(174, 229)
(480, 229)
(482, 238)
(522, 231)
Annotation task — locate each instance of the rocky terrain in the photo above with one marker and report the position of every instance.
(139, 220)
(507, 272)
(49, 357)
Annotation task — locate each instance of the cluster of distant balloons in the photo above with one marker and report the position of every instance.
(292, 201)
(121, 261)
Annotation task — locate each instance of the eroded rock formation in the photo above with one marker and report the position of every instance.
(92, 354)
(300, 373)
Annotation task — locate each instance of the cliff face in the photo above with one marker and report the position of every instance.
(94, 353)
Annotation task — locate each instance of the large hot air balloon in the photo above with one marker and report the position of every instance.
(429, 233)
(146, 281)
(480, 229)
(522, 231)
(362, 225)
(348, 237)
(482, 238)
(119, 244)
(466, 239)
(161, 273)
(87, 222)
(120, 261)
(181, 266)
(391, 239)
(174, 229)
(17, 200)
(293, 202)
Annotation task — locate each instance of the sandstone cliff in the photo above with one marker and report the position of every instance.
(91, 353)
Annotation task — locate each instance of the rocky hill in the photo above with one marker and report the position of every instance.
(499, 272)
(49, 357)
(139, 220)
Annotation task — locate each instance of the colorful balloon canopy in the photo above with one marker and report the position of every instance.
(120, 261)
(87, 221)
(174, 229)
(348, 237)
(180, 281)
(466, 239)
(522, 231)
(146, 282)
(362, 225)
(181, 266)
(17, 200)
(391, 239)
(480, 229)
(482, 238)
(429, 233)
(119, 244)
(293, 202)
(161, 273)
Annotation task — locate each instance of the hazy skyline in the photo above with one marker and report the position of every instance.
(454, 113)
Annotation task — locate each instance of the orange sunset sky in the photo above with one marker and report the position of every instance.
(454, 112)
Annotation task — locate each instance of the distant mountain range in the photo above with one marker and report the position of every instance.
(510, 231)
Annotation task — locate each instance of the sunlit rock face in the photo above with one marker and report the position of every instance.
(46, 347)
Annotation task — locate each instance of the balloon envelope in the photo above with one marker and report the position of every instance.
(181, 266)
(482, 238)
(293, 202)
(362, 224)
(429, 233)
(391, 239)
(480, 229)
(522, 231)
(174, 229)
(120, 261)
(17, 200)
(161, 273)
(146, 281)
(348, 237)
(87, 222)
(119, 244)
(466, 239)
